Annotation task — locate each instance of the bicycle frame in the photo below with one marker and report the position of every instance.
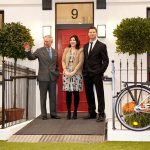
(145, 107)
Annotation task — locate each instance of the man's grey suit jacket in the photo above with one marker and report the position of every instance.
(48, 68)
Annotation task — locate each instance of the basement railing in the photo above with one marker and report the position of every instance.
(18, 98)
(123, 70)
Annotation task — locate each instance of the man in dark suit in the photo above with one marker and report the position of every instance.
(95, 64)
(47, 74)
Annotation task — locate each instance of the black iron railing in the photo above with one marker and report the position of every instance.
(18, 94)
(124, 71)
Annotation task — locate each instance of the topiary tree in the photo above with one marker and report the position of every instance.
(12, 37)
(133, 37)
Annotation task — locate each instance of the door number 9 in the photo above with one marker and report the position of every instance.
(74, 13)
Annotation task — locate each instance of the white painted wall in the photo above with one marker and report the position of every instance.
(30, 14)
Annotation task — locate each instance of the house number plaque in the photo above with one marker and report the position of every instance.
(74, 13)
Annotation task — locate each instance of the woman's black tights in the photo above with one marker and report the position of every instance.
(69, 101)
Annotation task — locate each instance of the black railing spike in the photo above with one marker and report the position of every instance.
(120, 73)
(141, 69)
(127, 70)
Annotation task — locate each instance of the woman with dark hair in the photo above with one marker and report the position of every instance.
(72, 62)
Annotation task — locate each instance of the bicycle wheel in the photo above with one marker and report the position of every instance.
(126, 108)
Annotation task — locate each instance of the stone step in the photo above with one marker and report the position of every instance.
(58, 138)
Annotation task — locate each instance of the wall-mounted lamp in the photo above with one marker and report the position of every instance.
(101, 31)
(46, 30)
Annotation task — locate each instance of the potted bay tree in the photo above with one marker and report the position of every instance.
(133, 37)
(12, 37)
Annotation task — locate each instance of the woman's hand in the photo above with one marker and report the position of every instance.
(69, 74)
(66, 72)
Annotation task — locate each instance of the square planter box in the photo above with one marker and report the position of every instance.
(13, 114)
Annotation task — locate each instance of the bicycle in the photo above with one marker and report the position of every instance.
(132, 106)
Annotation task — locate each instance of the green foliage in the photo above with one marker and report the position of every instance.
(12, 37)
(137, 120)
(133, 36)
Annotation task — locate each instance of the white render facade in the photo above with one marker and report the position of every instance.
(30, 14)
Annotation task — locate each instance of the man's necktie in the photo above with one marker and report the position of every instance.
(50, 53)
(90, 47)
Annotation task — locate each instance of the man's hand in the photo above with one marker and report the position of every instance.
(26, 46)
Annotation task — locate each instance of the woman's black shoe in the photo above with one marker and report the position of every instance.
(68, 116)
(74, 115)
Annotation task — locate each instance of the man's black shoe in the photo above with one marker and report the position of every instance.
(100, 118)
(55, 117)
(90, 117)
(44, 118)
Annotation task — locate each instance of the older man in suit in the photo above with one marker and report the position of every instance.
(95, 64)
(47, 74)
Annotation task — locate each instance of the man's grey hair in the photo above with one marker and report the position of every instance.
(48, 36)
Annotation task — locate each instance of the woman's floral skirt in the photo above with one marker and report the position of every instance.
(73, 83)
